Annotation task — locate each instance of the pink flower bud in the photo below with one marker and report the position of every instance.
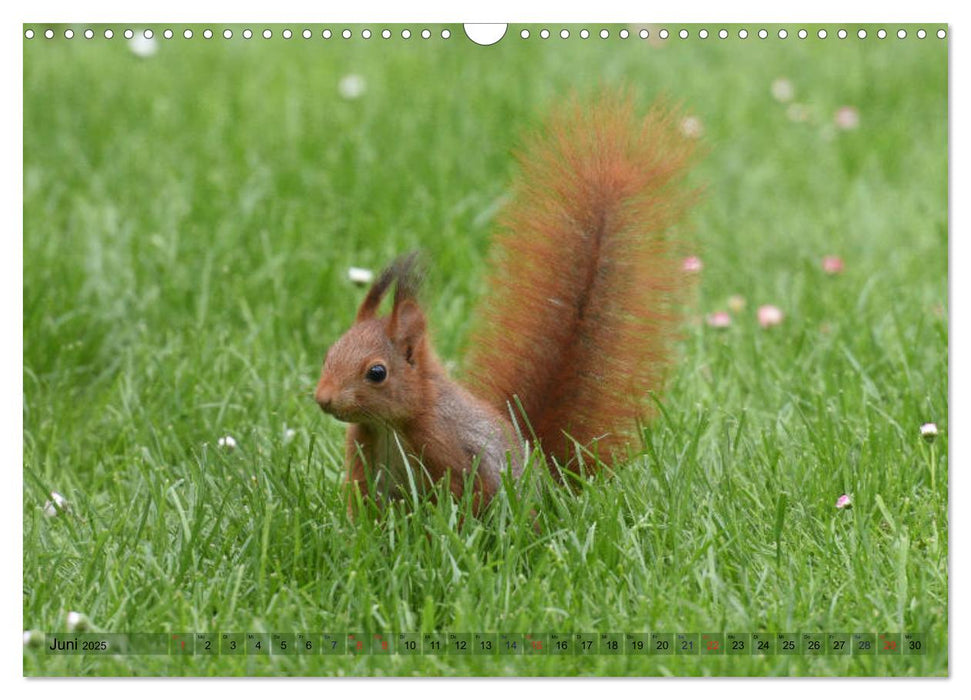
(770, 315)
(832, 265)
(692, 264)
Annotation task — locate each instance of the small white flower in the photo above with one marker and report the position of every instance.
(928, 431)
(77, 622)
(360, 275)
(142, 45)
(288, 435)
(33, 638)
(58, 504)
(351, 86)
(847, 118)
(692, 127)
(782, 90)
(228, 442)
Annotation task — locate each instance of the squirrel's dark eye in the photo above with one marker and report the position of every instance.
(376, 373)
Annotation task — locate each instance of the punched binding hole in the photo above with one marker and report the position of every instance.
(488, 34)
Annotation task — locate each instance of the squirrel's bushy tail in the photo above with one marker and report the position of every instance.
(583, 304)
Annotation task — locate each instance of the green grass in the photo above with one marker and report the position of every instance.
(188, 222)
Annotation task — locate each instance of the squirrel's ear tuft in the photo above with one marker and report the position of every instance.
(369, 307)
(407, 327)
(409, 273)
(406, 271)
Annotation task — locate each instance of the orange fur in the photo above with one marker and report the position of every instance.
(586, 279)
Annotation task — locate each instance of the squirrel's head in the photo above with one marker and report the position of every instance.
(375, 371)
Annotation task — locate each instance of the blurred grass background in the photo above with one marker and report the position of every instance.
(189, 218)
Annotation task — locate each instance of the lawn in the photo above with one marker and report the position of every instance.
(189, 220)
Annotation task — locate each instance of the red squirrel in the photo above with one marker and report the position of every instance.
(575, 332)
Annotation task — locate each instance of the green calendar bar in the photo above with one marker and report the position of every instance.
(264, 644)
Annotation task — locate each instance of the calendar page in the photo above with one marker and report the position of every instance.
(397, 349)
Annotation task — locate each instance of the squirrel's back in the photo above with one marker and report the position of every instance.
(586, 281)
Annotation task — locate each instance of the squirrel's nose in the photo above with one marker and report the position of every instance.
(324, 396)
